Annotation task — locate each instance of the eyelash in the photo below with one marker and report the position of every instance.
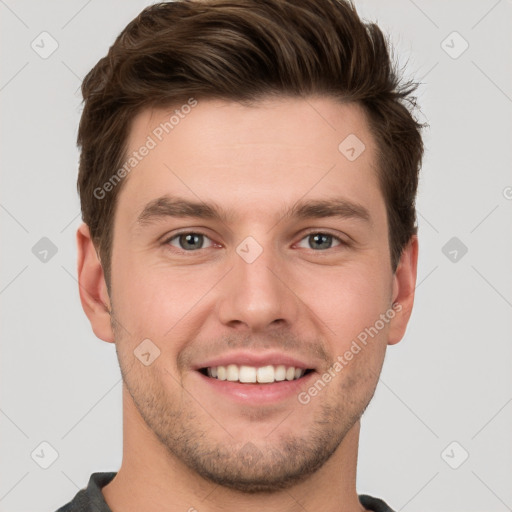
(167, 241)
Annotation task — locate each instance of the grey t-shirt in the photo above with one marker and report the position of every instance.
(91, 499)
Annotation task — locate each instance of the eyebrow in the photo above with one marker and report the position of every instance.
(167, 206)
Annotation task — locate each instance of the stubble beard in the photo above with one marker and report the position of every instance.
(264, 465)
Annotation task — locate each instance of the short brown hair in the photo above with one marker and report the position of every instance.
(244, 50)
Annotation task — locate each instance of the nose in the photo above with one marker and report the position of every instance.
(257, 295)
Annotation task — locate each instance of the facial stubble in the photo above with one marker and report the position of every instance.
(189, 429)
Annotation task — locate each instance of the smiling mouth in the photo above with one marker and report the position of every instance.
(252, 374)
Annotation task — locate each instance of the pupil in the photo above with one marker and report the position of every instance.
(322, 240)
(190, 240)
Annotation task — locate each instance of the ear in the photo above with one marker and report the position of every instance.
(92, 286)
(404, 286)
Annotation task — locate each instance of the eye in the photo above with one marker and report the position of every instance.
(321, 241)
(189, 241)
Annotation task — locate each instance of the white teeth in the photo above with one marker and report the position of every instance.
(232, 372)
(290, 373)
(265, 374)
(221, 372)
(251, 374)
(247, 374)
(280, 372)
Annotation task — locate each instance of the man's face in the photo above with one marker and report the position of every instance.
(259, 287)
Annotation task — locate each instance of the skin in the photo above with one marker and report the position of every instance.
(185, 446)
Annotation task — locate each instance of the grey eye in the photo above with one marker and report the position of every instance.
(189, 241)
(320, 241)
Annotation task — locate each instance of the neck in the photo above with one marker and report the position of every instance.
(152, 479)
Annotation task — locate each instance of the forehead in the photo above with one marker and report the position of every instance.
(272, 152)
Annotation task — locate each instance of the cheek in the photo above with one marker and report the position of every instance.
(155, 301)
(348, 300)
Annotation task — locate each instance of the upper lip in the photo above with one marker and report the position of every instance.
(256, 359)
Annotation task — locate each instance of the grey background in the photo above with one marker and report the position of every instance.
(447, 381)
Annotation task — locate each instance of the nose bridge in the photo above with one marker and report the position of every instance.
(254, 293)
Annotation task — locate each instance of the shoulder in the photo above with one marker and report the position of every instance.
(90, 499)
(374, 504)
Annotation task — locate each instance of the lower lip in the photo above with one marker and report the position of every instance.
(255, 393)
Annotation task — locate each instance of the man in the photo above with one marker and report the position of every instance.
(248, 176)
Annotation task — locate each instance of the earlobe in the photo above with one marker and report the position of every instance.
(92, 286)
(404, 285)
